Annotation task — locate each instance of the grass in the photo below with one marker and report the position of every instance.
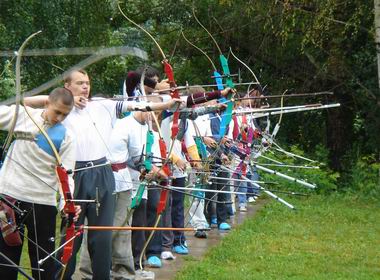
(335, 237)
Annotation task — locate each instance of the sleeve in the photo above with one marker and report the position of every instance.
(6, 116)
(116, 109)
(207, 124)
(189, 133)
(127, 106)
(193, 152)
(202, 97)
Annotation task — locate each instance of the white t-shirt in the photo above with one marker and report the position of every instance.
(127, 143)
(166, 125)
(93, 125)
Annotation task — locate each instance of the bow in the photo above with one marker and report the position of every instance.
(168, 69)
(226, 115)
(148, 166)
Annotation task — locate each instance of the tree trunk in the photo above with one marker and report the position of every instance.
(339, 131)
(377, 39)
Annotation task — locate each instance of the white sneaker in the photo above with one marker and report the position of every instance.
(144, 275)
(251, 199)
(167, 255)
(243, 208)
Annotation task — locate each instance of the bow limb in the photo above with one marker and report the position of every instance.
(8, 140)
(227, 114)
(199, 49)
(246, 66)
(168, 69)
(143, 29)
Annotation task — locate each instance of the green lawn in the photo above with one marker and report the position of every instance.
(325, 238)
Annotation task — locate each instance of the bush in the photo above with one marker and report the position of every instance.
(364, 178)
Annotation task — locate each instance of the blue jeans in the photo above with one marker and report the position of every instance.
(241, 187)
(254, 176)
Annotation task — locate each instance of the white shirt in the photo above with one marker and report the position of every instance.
(166, 125)
(93, 125)
(28, 173)
(127, 143)
(203, 125)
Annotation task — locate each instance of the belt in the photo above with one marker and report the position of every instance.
(118, 166)
(90, 163)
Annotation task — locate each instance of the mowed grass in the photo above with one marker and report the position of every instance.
(335, 237)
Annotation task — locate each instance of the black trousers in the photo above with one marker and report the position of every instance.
(178, 212)
(221, 208)
(138, 236)
(40, 223)
(154, 247)
(97, 182)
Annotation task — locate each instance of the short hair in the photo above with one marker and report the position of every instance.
(62, 94)
(150, 71)
(68, 76)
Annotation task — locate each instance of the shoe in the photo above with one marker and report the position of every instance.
(242, 208)
(154, 261)
(167, 255)
(200, 234)
(144, 275)
(224, 226)
(181, 249)
(251, 199)
(214, 221)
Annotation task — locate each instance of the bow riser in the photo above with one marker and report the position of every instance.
(69, 209)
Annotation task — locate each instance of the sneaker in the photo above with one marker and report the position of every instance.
(251, 199)
(224, 226)
(200, 234)
(154, 261)
(144, 275)
(167, 255)
(181, 249)
(242, 208)
(214, 221)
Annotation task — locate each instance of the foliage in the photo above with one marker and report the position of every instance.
(364, 179)
(324, 178)
(7, 81)
(302, 46)
(333, 237)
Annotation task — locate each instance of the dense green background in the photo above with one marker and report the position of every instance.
(302, 46)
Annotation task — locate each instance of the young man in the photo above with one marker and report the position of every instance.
(92, 125)
(28, 178)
